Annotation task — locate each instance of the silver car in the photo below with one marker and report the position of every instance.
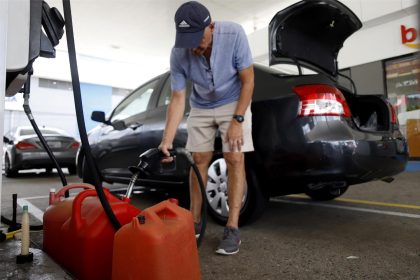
(23, 150)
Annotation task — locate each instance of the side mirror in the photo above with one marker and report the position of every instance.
(6, 140)
(98, 116)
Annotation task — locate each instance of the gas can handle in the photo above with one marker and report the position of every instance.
(61, 192)
(76, 219)
(155, 212)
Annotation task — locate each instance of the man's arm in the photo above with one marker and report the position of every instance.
(235, 133)
(174, 116)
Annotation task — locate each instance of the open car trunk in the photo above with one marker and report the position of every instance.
(311, 32)
(369, 112)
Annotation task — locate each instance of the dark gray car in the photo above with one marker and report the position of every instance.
(23, 150)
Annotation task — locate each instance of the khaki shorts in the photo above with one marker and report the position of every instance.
(202, 125)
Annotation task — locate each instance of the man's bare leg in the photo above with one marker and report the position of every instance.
(236, 181)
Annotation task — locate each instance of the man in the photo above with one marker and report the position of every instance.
(216, 57)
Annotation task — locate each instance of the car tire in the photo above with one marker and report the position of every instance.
(72, 170)
(254, 202)
(8, 171)
(326, 193)
(87, 174)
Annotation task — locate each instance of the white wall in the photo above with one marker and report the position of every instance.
(379, 38)
(50, 107)
(99, 71)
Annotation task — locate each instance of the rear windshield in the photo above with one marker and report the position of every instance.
(28, 131)
(285, 69)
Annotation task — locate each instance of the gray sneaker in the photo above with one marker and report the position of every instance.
(230, 243)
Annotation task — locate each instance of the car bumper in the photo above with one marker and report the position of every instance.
(42, 160)
(326, 150)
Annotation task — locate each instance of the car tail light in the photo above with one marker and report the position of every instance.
(394, 119)
(321, 100)
(75, 145)
(22, 145)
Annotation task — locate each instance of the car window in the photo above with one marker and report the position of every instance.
(165, 96)
(30, 131)
(287, 69)
(135, 104)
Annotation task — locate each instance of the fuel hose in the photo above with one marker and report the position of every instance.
(80, 117)
(44, 144)
(188, 156)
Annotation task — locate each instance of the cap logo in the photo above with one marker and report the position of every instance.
(184, 24)
(206, 18)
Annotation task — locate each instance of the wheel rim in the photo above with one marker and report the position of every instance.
(217, 190)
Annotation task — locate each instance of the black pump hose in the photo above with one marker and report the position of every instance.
(79, 114)
(190, 159)
(203, 205)
(31, 119)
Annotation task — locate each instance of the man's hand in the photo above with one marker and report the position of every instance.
(164, 147)
(235, 136)
(174, 116)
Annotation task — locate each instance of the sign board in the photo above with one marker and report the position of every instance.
(14, 103)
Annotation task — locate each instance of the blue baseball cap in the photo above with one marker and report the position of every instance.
(191, 19)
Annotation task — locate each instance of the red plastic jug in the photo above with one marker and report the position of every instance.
(56, 214)
(83, 243)
(159, 244)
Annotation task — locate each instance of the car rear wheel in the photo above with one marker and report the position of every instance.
(326, 193)
(8, 171)
(253, 202)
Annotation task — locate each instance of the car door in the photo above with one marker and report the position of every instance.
(120, 143)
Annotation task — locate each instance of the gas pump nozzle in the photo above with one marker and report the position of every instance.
(146, 160)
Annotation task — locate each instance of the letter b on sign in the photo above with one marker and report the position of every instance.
(408, 35)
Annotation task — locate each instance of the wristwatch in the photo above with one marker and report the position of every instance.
(239, 118)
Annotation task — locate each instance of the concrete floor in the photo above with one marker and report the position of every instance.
(372, 232)
(43, 267)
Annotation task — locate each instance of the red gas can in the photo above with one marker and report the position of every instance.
(157, 245)
(81, 240)
(57, 213)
